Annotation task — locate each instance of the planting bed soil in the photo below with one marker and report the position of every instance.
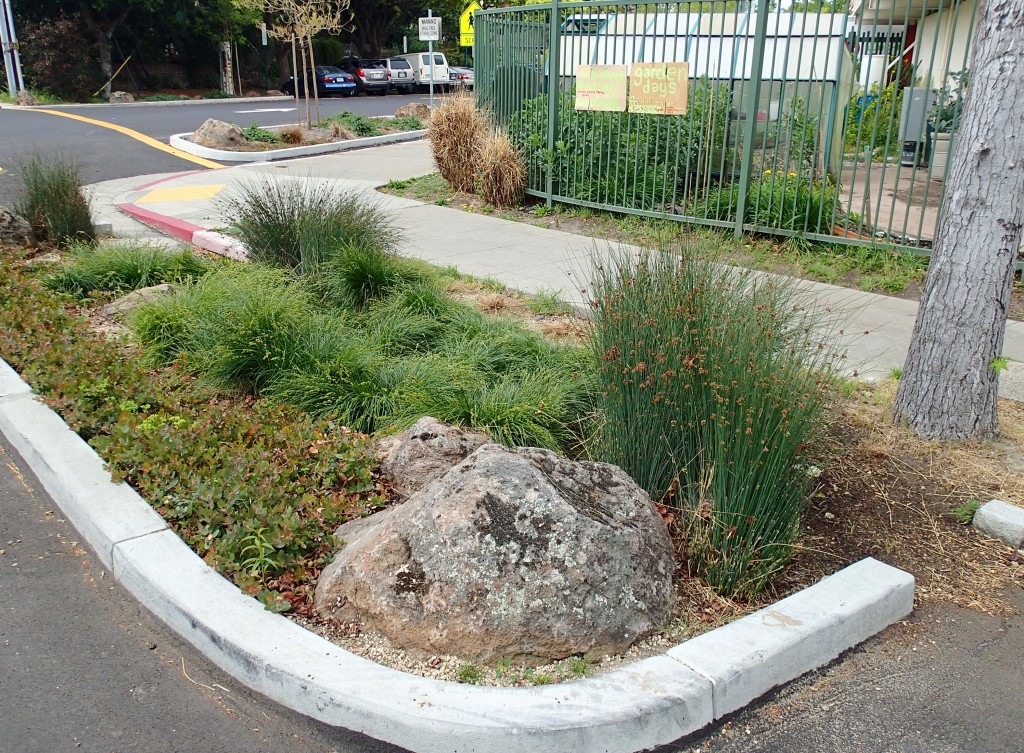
(343, 127)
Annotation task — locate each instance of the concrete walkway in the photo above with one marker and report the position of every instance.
(875, 329)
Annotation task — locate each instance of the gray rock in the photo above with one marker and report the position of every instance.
(130, 302)
(512, 554)
(120, 98)
(14, 229)
(216, 134)
(26, 99)
(274, 93)
(425, 451)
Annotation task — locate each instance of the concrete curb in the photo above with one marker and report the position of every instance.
(219, 100)
(180, 141)
(650, 703)
(208, 240)
(1001, 521)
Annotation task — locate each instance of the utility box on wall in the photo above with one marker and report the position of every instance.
(915, 131)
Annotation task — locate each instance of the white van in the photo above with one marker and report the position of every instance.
(420, 62)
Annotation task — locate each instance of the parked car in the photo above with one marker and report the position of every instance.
(461, 78)
(401, 75)
(420, 62)
(371, 75)
(330, 81)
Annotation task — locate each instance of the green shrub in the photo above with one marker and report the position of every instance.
(239, 327)
(875, 123)
(161, 97)
(296, 226)
(258, 133)
(217, 94)
(712, 391)
(122, 267)
(358, 274)
(776, 200)
(53, 202)
(360, 125)
(406, 123)
(629, 160)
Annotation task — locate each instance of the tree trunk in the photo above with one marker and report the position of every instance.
(949, 385)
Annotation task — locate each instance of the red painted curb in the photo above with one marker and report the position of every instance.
(178, 228)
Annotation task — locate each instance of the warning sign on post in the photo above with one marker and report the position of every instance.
(658, 88)
(601, 87)
(430, 29)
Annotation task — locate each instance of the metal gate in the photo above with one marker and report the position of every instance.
(830, 127)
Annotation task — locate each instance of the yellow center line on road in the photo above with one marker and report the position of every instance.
(148, 141)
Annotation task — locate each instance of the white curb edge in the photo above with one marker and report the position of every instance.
(650, 703)
(1001, 521)
(162, 103)
(182, 142)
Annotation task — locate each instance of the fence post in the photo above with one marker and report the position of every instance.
(750, 127)
(554, 89)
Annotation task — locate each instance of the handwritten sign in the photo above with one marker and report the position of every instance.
(601, 87)
(658, 88)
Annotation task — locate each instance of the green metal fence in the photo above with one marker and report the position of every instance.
(831, 127)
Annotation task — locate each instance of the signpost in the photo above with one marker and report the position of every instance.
(430, 32)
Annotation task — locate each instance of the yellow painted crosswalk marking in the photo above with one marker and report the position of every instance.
(180, 193)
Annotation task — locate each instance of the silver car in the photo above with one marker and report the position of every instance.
(461, 78)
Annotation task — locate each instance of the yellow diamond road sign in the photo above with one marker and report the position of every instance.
(466, 31)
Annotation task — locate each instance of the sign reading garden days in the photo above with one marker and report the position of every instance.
(652, 88)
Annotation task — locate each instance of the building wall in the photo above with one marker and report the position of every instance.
(946, 36)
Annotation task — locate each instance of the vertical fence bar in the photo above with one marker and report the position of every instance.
(756, 75)
(553, 87)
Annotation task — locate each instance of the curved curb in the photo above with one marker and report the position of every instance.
(167, 103)
(650, 703)
(1001, 521)
(197, 235)
(181, 141)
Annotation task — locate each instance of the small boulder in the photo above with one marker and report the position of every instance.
(14, 229)
(416, 110)
(274, 93)
(216, 134)
(518, 554)
(26, 99)
(122, 306)
(252, 93)
(120, 98)
(424, 452)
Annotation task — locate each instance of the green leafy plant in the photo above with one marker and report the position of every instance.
(52, 200)
(948, 107)
(964, 513)
(713, 384)
(776, 200)
(258, 133)
(999, 364)
(217, 94)
(360, 125)
(469, 674)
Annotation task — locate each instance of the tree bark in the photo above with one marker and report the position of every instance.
(950, 381)
(103, 30)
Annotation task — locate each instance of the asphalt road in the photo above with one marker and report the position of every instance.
(105, 154)
(83, 667)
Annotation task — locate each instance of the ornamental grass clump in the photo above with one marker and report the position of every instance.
(713, 387)
(53, 201)
(122, 267)
(502, 171)
(300, 225)
(457, 133)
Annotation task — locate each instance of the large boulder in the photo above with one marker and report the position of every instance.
(518, 554)
(216, 134)
(26, 98)
(14, 229)
(424, 452)
(416, 110)
(124, 305)
(120, 98)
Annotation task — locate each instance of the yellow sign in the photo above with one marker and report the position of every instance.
(467, 34)
(601, 87)
(658, 88)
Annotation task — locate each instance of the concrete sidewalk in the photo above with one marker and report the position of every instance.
(875, 329)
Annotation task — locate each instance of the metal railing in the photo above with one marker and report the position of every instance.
(829, 127)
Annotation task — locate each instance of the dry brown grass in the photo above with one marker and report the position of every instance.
(457, 133)
(502, 171)
(339, 131)
(292, 135)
